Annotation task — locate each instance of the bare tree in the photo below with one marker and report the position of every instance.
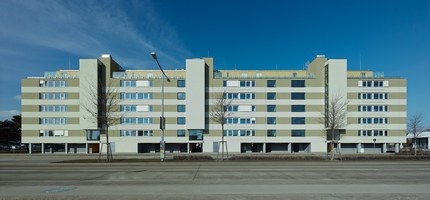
(416, 127)
(335, 115)
(220, 114)
(103, 108)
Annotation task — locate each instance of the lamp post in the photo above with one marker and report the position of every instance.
(374, 145)
(162, 119)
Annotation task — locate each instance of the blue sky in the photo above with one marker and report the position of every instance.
(391, 36)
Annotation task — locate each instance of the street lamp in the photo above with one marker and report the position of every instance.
(162, 119)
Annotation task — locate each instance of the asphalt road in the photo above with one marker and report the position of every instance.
(38, 177)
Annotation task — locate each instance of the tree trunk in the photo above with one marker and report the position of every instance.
(332, 145)
(108, 149)
(415, 146)
(222, 142)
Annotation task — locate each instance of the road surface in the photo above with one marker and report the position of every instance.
(39, 177)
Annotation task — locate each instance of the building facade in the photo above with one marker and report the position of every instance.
(271, 110)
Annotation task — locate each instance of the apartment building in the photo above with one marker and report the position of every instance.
(271, 111)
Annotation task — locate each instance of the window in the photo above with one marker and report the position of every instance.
(128, 108)
(133, 133)
(297, 108)
(373, 83)
(131, 96)
(144, 133)
(128, 83)
(297, 133)
(195, 135)
(271, 95)
(93, 135)
(181, 133)
(374, 108)
(271, 108)
(297, 83)
(298, 120)
(53, 96)
(236, 120)
(239, 96)
(372, 95)
(271, 133)
(136, 120)
(232, 120)
(46, 133)
(181, 108)
(298, 95)
(46, 108)
(271, 83)
(181, 95)
(245, 121)
(233, 108)
(375, 120)
(372, 133)
(53, 120)
(53, 84)
(180, 120)
(239, 132)
(53, 133)
(247, 83)
(181, 83)
(271, 120)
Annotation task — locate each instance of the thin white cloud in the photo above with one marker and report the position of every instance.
(17, 97)
(90, 28)
(9, 113)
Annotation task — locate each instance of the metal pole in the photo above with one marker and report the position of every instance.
(162, 147)
(162, 120)
(374, 145)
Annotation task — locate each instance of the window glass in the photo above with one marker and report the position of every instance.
(297, 133)
(181, 95)
(297, 108)
(297, 83)
(271, 95)
(298, 95)
(297, 120)
(271, 133)
(181, 120)
(271, 120)
(271, 108)
(271, 83)
(181, 108)
(181, 133)
(181, 83)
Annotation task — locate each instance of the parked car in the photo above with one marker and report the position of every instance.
(17, 147)
(4, 148)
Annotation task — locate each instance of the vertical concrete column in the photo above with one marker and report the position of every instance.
(384, 147)
(51, 150)
(428, 143)
(66, 148)
(359, 148)
(29, 148)
(289, 147)
(43, 148)
(397, 147)
(86, 148)
(264, 147)
(339, 147)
